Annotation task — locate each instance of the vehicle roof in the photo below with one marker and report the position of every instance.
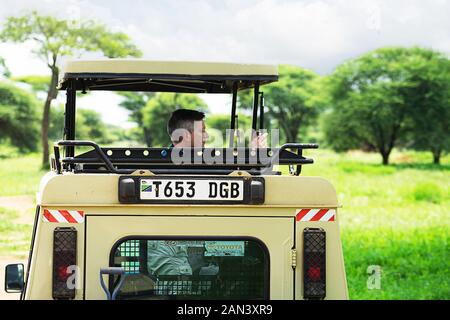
(169, 76)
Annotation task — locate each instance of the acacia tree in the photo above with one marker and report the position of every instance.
(373, 100)
(57, 38)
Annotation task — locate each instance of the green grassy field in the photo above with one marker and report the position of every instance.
(20, 176)
(396, 217)
(15, 237)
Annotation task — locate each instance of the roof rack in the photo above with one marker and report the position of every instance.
(219, 161)
(164, 76)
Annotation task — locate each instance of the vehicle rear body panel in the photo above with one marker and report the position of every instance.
(276, 233)
(106, 221)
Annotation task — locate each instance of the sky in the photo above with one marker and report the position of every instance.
(313, 34)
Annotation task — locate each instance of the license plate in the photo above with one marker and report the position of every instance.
(192, 190)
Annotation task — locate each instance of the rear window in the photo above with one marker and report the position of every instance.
(200, 268)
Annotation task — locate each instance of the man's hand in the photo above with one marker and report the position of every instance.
(259, 141)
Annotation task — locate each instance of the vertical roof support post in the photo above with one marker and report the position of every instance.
(69, 117)
(261, 111)
(255, 105)
(233, 114)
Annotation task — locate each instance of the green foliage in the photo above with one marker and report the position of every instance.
(375, 97)
(216, 127)
(18, 117)
(90, 126)
(58, 37)
(4, 69)
(218, 124)
(158, 110)
(429, 123)
(8, 151)
(37, 82)
(428, 191)
(56, 126)
(135, 102)
(294, 102)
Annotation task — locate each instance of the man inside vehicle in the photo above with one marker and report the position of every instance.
(187, 129)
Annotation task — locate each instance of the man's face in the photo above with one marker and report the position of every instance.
(199, 135)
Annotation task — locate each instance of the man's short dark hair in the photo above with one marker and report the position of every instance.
(183, 119)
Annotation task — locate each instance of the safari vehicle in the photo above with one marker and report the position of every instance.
(130, 223)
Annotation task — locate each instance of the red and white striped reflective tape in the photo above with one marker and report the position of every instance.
(315, 215)
(63, 216)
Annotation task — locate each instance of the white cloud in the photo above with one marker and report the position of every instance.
(314, 34)
(20, 59)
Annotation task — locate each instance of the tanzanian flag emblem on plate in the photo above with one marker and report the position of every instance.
(146, 188)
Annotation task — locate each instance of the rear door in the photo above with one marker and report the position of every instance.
(194, 257)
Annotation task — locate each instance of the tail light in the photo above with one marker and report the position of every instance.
(64, 256)
(314, 266)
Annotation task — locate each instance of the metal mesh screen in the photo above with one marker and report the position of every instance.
(209, 275)
(64, 256)
(208, 287)
(130, 250)
(314, 264)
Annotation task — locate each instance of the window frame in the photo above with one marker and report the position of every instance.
(262, 245)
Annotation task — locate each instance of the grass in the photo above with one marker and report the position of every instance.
(414, 262)
(395, 217)
(21, 175)
(15, 237)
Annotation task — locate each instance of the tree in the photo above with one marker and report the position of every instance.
(373, 97)
(4, 69)
(428, 127)
(57, 38)
(18, 117)
(89, 126)
(38, 83)
(135, 102)
(56, 123)
(292, 101)
(221, 123)
(158, 110)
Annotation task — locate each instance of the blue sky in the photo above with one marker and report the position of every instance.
(314, 34)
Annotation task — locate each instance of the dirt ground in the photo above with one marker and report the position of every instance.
(22, 205)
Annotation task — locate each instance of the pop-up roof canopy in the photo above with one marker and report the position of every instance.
(164, 76)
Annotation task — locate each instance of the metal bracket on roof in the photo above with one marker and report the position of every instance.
(142, 173)
(240, 173)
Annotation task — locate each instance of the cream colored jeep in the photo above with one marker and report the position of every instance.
(132, 223)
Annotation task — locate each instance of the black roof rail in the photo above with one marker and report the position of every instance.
(189, 160)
